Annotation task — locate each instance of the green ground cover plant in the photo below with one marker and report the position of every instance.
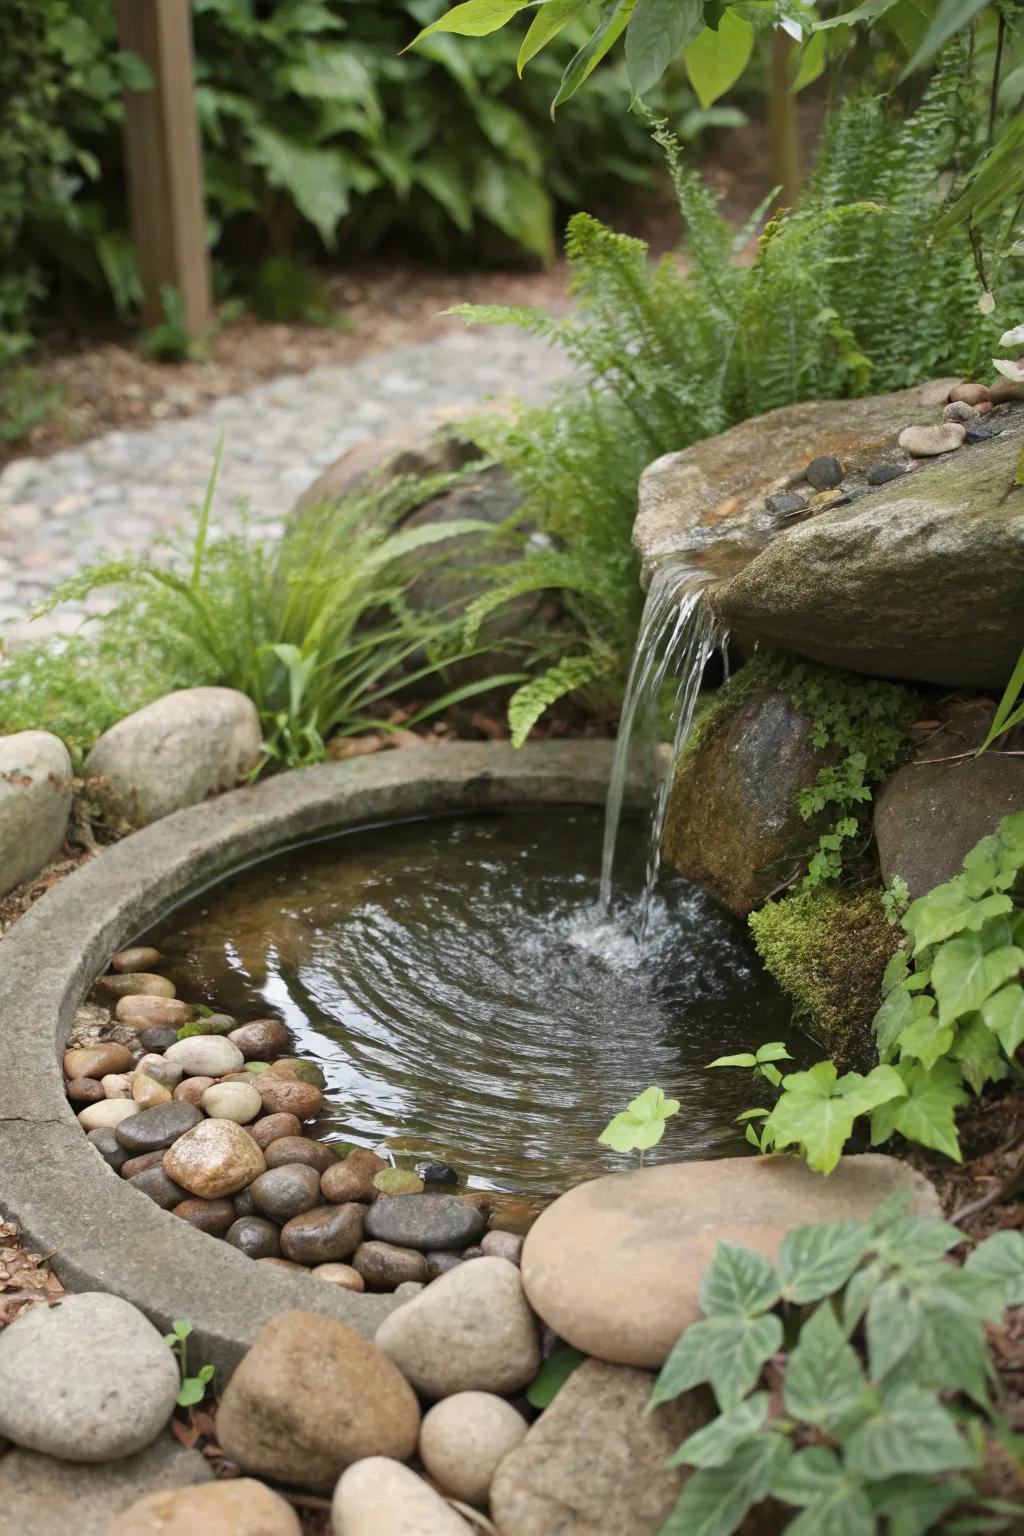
(852, 1380)
(641, 1125)
(951, 1020)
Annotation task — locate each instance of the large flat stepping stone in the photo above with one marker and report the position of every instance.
(614, 1266)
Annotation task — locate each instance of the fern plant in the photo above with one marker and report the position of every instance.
(846, 294)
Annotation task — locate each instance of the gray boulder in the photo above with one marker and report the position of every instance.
(732, 825)
(930, 814)
(173, 753)
(596, 1459)
(92, 1379)
(35, 800)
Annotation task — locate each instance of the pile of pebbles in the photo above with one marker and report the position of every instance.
(826, 482)
(208, 1118)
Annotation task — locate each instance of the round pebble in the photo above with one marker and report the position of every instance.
(214, 1158)
(148, 1092)
(137, 984)
(927, 442)
(232, 1101)
(140, 1163)
(155, 1129)
(116, 1085)
(427, 1222)
(281, 1096)
(970, 394)
(352, 1177)
(205, 1056)
(254, 1236)
(441, 1263)
(295, 1069)
(324, 1234)
(385, 1266)
(244, 1204)
(85, 1090)
(261, 1040)
(191, 1089)
(959, 410)
(108, 1146)
(824, 472)
(108, 1112)
(97, 1060)
(342, 1275)
(784, 504)
(502, 1245)
(157, 1039)
(145, 1012)
(213, 1216)
(437, 1173)
(397, 1181)
(140, 957)
(161, 1071)
(161, 1189)
(881, 474)
(299, 1149)
(286, 1192)
(464, 1438)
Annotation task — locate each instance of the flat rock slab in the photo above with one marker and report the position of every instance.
(41, 1495)
(614, 1266)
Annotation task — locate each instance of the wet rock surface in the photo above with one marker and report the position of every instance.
(425, 1221)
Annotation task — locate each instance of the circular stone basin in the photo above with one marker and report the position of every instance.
(467, 1003)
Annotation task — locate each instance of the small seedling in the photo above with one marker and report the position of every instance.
(759, 1061)
(193, 1388)
(642, 1125)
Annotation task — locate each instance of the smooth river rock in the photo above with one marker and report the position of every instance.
(311, 1397)
(232, 1101)
(106, 1114)
(214, 1159)
(270, 1128)
(382, 1498)
(352, 1178)
(205, 1056)
(256, 1237)
(469, 1331)
(155, 1129)
(240, 1507)
(282, 1193)
(300, 1149)
(261, 1040)
(426, 1222)
(385, 1266)
(595, 1461)
(614, 1265)
(324, 1234)
(141, 1011)
(88, 1380)
(97, 1060)
(464, 1438)
(36, 781)
(173, 753)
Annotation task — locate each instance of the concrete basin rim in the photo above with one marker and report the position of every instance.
(53, 1182)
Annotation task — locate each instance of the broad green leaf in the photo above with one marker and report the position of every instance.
(552, 1376)
(658, 30)
(1001, 1258)
(910, 1432)
(817, 1110)
(910, 1241)
(738, 1283)
(824, 1382)
(924, 1039)
(642, 1124)
(192, 1391)
(936, 917)
(716, 1499)
(475, 18)
(551, 18)
(844, 1510)
(977, 1050)
(518, 204)
(441, 176)
(981, 866)
(728, 1352)
(313, 178)
(775, 1050)
(964, 974)
(744, 1059)
(583, 63)
(892, 1018)
(951, 16)
(812, 62)
(893, 1325)
(896, 970)
(914, 1506)
(928, 1113)
(818, 1259)
(1003, 1014)
(807, 1477)
(716, 60)
(717, 1442)
(868, 10)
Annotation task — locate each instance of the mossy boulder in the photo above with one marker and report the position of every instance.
(827, 949)
(733, 826)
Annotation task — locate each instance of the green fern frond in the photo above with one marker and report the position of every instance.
(530, 701)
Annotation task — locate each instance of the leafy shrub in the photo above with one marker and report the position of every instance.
(668, 358)
(316, 631)
(952, 1018)
(832, 1371)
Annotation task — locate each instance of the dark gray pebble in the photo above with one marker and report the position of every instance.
(824, 472)
(108, 1146)
(437, 1173)
(254, 1236)
(286, 1191)
(156, 1184)
(158, 1127)
(441, 1263)
(245, 1205)
(783, 503)
(427, 1222)
(157, 1038)
(881, 474)
(977, 435)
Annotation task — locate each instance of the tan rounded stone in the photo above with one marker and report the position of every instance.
(970, 394)
(382, 1498)
(116, 1085)
(343, 1275)
(213, 1159)
(261, 1039)
(140, 957)
(146, 1091)
(352, 1177)
(614, 1265)
(107, 1113)
(193, 1088)
(463, 1440)
(271, 1128)
(927, 442)
(232, 1101)
(97, 1060)
(280, 1096)
(239, 1507)
(312, 1396)
(134, 985)
(299, 1149)
(141, 1011)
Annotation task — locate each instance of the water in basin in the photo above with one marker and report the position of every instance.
(455, 981)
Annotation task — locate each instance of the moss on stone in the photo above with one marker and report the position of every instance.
(827, 949)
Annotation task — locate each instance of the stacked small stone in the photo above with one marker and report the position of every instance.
(208, 1118)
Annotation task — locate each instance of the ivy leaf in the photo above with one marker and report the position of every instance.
(718, 1442)
(738, 1283)
(1003, 1014)
(834, 1503)
(824, 1382)
(910, 1432)
(728, 1352)
(964, 974)
(817, 1109)
(977, 1050)
(1001, 1258)
(913, 1507)
(658, 30)
(715, 60)
(924, 1039)
(775, 1050)
(716, 1499)
(896, 970)
(892, 1018)
(982, 866)
(928, 1113)
(934, 918)
(642, 1124)
(818, 1259)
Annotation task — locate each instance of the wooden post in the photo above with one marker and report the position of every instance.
(783, 126)
(164, 162)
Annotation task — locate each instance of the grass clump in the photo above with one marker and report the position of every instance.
(828, 949)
